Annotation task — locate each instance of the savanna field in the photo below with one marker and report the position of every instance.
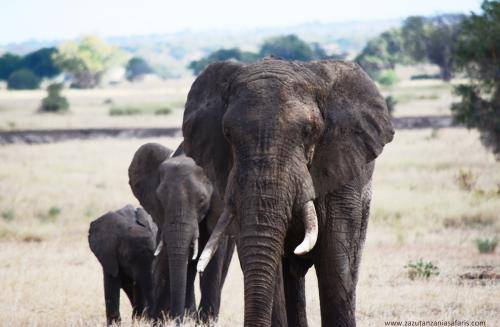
(436, 203)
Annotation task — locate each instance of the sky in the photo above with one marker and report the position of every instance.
(22, 20)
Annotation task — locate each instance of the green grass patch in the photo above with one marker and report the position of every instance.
(148, 109)
(421, 269)
(50, 216)
(8, 215)
(486, 245)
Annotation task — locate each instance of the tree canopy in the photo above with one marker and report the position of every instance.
(220, 55)
(420, 39)
(477, 54)
(41, 63)
(87, 60)
(8, 64)
(382, 52)
(289, 47)
(137, 67)
(23, 79)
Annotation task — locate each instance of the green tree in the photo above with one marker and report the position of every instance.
(220, 55)
(8, 64)
(136, 68)
(382, 52)
(414, 37)
(477, 54)
(289, 47)
(41, 62)
(432, 40)
(87, 60)
(442, 36)
(23, 79)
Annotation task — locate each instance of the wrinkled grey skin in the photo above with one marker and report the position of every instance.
(181, 201)
(272, 136)
(124, 242)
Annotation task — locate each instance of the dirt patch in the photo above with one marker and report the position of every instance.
(57, 135)
(481, 273)
(39, 136)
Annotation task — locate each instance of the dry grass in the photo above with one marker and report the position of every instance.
(55, 280)
(49, 277)
(422, 97)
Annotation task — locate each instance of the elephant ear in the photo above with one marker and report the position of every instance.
(103, 242)
(144, 176)
(202, 123)
(357, 124)
(145, 220)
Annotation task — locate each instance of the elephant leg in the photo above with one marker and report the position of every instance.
(190, 296)
(211, 283)
(278, 317)
(295, 295)
(127, 285)
(139, 304)
(112, 287)
(338, 255)
(143, 289)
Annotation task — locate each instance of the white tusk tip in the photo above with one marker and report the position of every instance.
(158, 248)
(195, 249)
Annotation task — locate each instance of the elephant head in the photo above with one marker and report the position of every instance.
(273, 136)
(177, 194)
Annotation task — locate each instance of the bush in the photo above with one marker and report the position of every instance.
(421, 269)
(54, 102)
(8, 215)
(466, 180)
(128, 110)
(486, 245)
(387, 78)
(124, 111)
(391, 104)
(163, 111)
(23, 79)
(51, 215)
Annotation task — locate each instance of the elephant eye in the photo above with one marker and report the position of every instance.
(226, 132)
(307, 131)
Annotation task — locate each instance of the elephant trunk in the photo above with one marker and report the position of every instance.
(264, 216)
(178, 240)
(260, 251)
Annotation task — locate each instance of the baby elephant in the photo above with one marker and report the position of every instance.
(124, 242)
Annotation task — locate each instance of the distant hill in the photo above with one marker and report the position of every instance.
(174, 51)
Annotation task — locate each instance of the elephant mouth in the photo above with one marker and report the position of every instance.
(194, 246)
(309, 218)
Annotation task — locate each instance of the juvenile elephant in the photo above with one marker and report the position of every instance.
(124, 242)
(182, 202)
(301, 138)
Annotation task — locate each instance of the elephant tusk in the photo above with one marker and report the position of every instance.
(158, 248)
(311, 229)
(195, 249)
(213, 243)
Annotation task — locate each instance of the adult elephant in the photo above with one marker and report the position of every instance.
(292, 146)
(182, 202)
